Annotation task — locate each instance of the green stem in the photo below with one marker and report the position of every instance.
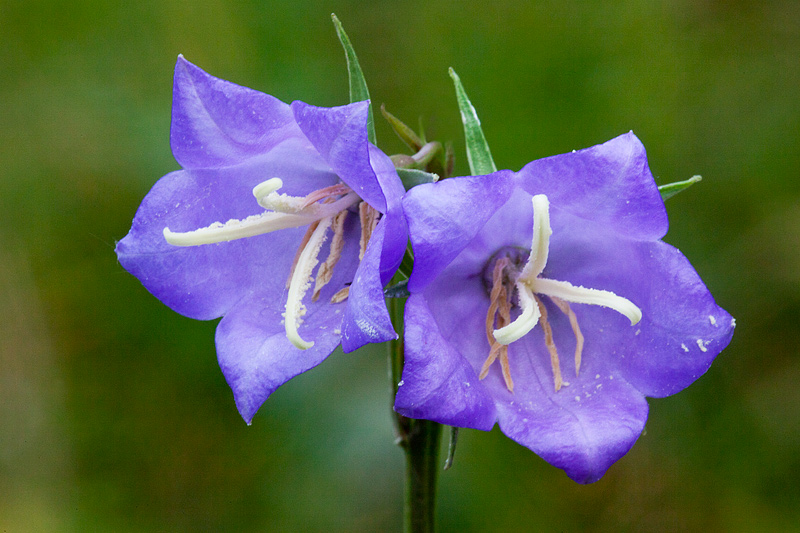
(420, 441)
(422, 469)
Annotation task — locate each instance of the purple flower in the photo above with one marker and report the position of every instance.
(268, 190)
(545, 301)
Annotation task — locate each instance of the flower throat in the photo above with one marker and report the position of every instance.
(323, 211)
(513, 280)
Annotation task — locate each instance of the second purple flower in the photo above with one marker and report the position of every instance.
(284, 220)
(545, 301)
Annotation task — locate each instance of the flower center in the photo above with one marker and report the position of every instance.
(507, 277)
(321, 210)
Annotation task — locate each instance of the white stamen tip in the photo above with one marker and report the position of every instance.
(581, 295)
(299, 343)
(265, 188)
(540, 243)
(525, 322)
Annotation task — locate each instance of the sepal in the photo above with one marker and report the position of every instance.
(478, 153)
(358, 85)
(671, 189)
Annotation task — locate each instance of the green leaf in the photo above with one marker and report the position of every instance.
(406, 134)
(412, 177)
(478, 154)
(451, 448)
(671, 189)
(358, 85)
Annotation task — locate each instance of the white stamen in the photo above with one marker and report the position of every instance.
(540, 244)
(236, 229)
(529, 283)
(262, 223)
(301, 281)
(524, 322)
(266, 188)
(581, 295)
(296, 205)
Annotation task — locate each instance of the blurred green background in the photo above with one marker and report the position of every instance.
(113, 413)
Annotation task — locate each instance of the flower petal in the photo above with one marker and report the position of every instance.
(395, 237)
(256, 357)
(444, 217)
(609, 184)
(339, 134)
(580, 429)
(438, 383)
(683, 328)
(366, 319)
(217, 123)
(203, 282)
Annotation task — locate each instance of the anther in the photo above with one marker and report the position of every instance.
(369, 219)
(301, 280)
(551, 345)
(325, 272)
(576, 330)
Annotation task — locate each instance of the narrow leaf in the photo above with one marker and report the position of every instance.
(671, 189)
(412, 177)
(405, 133)
(358, 85)
(478, 154)
(451, 449)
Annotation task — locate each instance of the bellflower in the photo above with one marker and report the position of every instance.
(267, 192)
(545, 301)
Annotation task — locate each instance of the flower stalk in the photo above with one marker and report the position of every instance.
(420, 442)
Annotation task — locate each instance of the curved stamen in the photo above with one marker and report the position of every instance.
(525, 321)
(529, 284)
(555, 364)
(540, 243)
(581, 295)
(296, 205)
(265, 188)
(325, 272)
(301, 280)
(576, 330)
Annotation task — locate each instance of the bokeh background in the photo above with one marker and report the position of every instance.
(113, 413)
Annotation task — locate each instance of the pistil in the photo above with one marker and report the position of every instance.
(529, 287)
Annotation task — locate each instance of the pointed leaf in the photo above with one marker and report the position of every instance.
(412, 177)
(478, 153)
(406, 134)
(451, 448)
(671, 189)
(358, 85)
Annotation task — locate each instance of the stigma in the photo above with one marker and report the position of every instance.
(323, 211)
(530, 287)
